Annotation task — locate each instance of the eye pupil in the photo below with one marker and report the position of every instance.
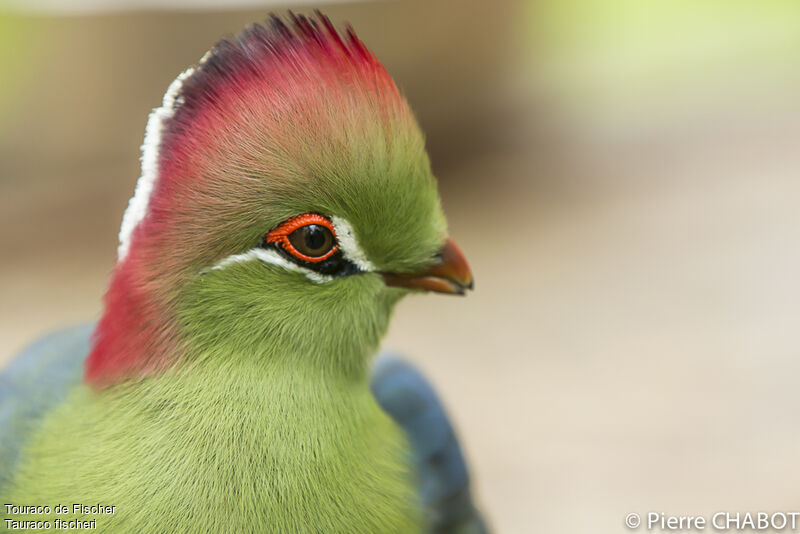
(315, 237)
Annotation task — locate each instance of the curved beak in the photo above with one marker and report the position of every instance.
(448, 274)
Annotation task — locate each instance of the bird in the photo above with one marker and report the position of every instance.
(286, 204)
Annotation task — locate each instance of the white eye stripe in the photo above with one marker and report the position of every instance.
(347, 244)
(271, 257)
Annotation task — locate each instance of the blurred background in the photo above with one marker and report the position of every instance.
(624, 177)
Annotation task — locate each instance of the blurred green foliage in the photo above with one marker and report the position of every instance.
(632, 49)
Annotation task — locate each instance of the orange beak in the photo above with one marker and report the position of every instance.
(448, 274)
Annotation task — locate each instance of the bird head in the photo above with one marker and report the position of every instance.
(286, 203)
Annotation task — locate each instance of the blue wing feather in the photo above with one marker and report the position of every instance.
(410, 400)
(33, 383)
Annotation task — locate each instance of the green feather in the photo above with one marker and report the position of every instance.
(269, 425)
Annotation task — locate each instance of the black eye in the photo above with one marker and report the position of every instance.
(312, 240)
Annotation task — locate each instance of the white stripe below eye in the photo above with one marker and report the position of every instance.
(271, 257)
(349, 246)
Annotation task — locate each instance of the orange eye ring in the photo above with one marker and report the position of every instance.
(280, 235)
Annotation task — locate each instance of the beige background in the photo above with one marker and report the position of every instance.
(624, 182)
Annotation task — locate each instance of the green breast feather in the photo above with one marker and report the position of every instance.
(209, 449)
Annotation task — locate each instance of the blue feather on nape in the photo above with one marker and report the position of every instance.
(410, 400)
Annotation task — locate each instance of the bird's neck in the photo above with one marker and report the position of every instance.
(137, 336)
(331, 330)
(144, 333)
(307, 442)
(244, 445)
